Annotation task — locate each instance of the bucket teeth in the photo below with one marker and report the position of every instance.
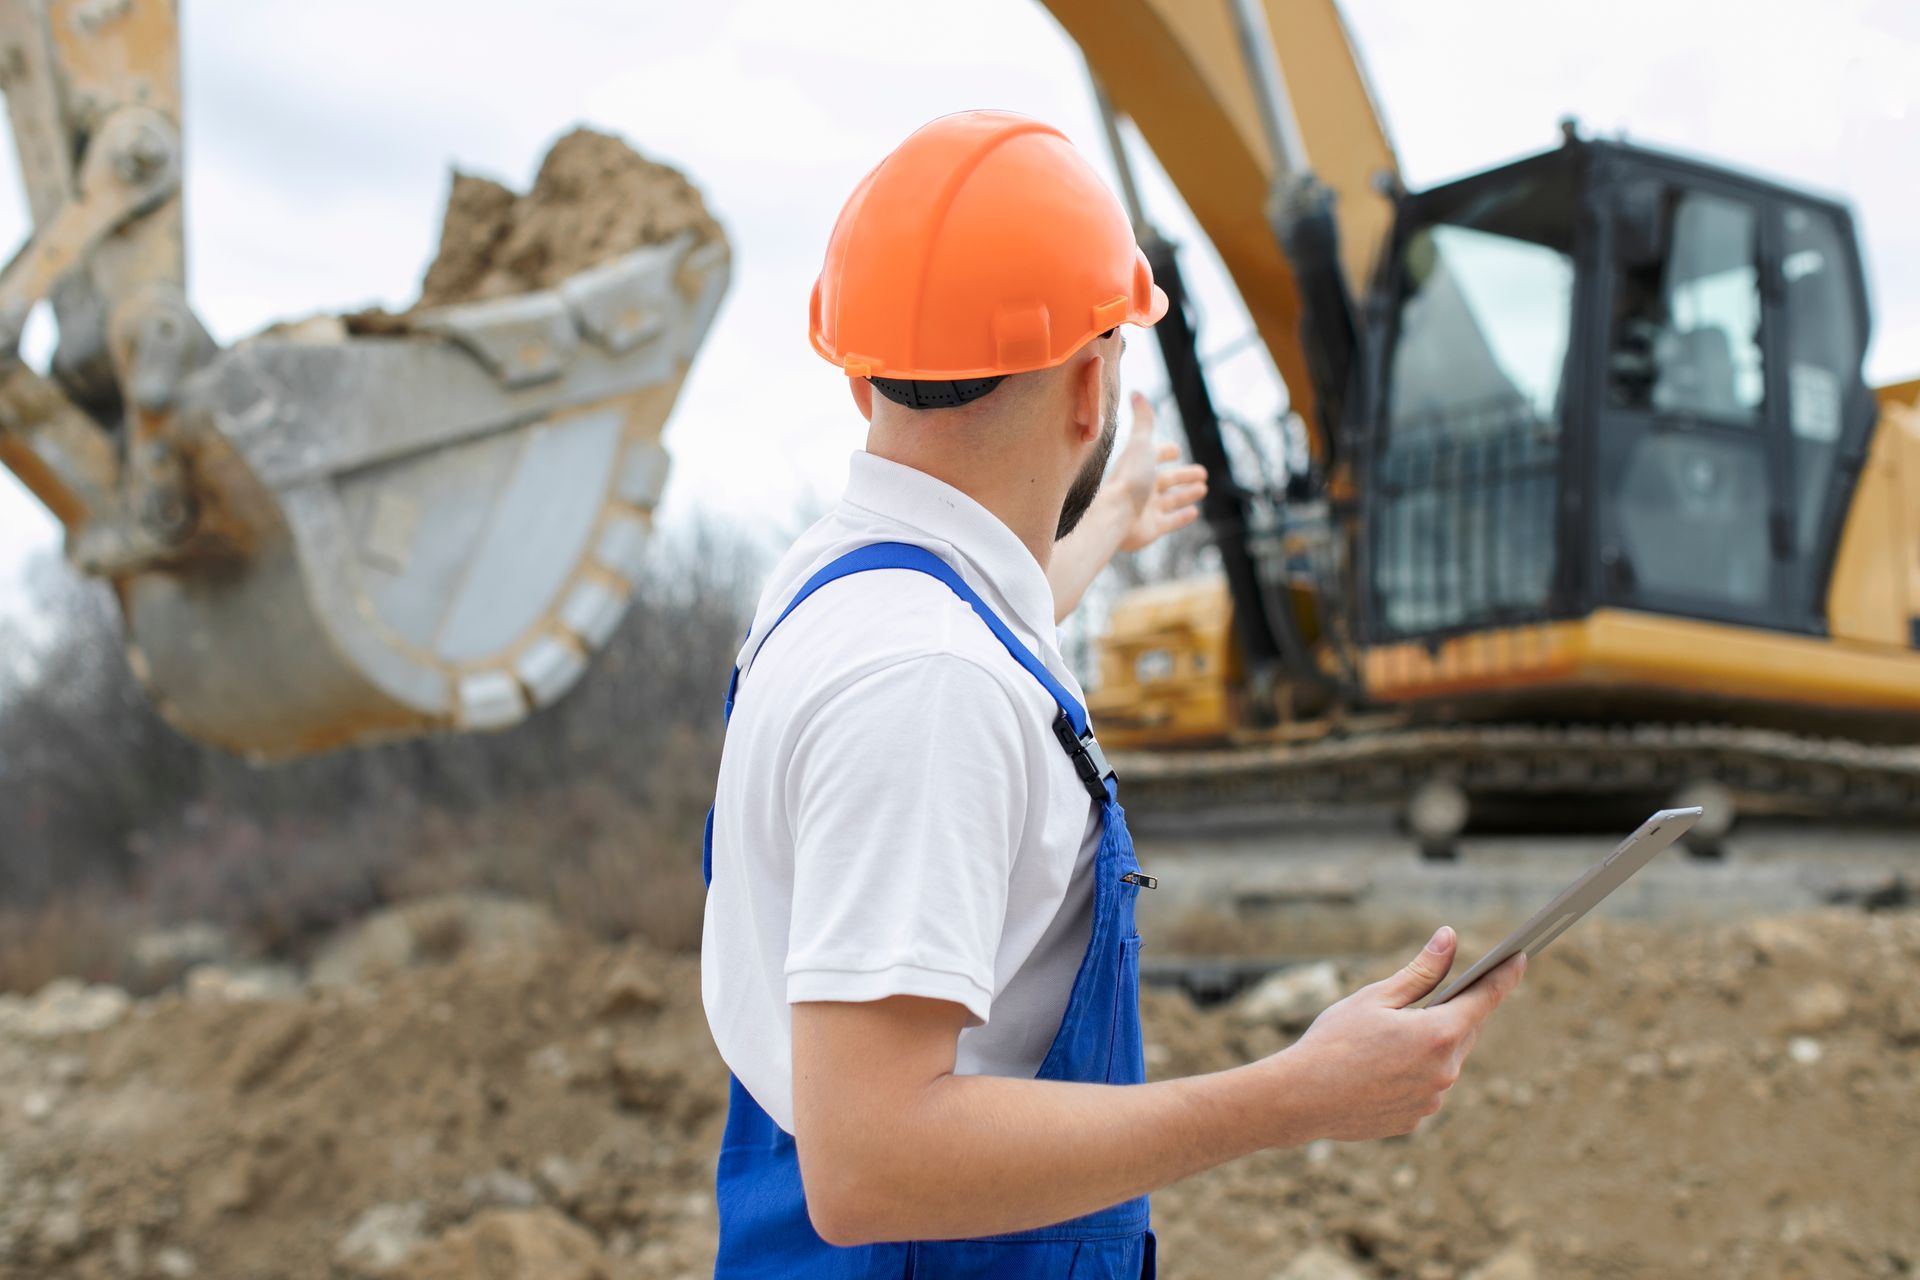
(490, 700)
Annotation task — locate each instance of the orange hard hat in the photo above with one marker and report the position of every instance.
(984, 245)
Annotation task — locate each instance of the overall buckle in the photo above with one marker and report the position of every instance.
(1089, 761)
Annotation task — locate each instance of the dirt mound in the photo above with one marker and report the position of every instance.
(1744, 1102)
(505, 1244)
(593, 199)
(342, 1130)
(430, 929)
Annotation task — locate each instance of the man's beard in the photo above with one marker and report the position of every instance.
(1087, 483)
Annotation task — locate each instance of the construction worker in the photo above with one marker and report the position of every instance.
(920, 962)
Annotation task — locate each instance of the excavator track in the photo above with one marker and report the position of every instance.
(1761, 769)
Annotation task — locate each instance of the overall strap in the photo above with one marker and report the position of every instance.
(1070, 726)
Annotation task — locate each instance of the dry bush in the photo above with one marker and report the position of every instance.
(277, 880)
(83, 760)
(82, 935)
(602, 861)
(113, 822)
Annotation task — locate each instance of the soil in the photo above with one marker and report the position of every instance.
(253, 1135)
(593, 199)
(1743, 1101)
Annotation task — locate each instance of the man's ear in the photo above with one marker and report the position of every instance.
(1090, 398)
(862, 396)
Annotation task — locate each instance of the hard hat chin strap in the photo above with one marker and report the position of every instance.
(925, 394)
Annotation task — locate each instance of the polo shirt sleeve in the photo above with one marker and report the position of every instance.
(907, 793)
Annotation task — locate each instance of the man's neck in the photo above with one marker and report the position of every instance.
(1026, 502)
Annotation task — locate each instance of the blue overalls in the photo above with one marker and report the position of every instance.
(764, 1228)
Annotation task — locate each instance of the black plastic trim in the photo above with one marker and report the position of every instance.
(1089, 761)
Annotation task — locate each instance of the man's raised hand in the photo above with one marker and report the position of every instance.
(1162, 497)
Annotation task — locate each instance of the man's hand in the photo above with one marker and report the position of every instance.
(1159, 498)
(894, 1146)
(1373, 1067)
(1142, 499)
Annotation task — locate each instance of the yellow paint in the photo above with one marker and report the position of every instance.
(1615, 648)
(1905, 393)
(1168, 669)
(1875, 592)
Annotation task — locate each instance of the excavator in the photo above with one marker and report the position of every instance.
(1597, 502)
(1599, 505)
(319, 538)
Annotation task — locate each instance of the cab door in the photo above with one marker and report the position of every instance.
(1688, 465)
(1819, 380)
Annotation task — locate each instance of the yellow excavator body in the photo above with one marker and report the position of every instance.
(1867, 662)
(1875, 598)
(1170, 674)
(1453, 586)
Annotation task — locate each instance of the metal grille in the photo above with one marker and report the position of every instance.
(1463, 521)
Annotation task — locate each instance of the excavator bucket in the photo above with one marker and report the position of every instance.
(354, 528)
(427, 531)
(350, 528)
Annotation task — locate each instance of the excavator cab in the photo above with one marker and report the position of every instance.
(1605, 377)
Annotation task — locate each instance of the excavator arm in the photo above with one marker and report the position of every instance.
(93, 99)
(1263, 119)
(317, 537)
(1186, 72)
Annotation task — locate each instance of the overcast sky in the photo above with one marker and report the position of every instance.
(319, 137)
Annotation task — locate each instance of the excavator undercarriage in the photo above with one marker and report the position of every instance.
(1441, 779)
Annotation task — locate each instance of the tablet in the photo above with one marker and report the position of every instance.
(1580, 897)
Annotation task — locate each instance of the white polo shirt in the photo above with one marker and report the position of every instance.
(894, 815)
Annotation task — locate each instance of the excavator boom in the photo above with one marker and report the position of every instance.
(1183, 72)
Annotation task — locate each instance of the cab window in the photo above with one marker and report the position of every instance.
(1686, 322)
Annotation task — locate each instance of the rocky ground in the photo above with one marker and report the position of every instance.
(463, 1089)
